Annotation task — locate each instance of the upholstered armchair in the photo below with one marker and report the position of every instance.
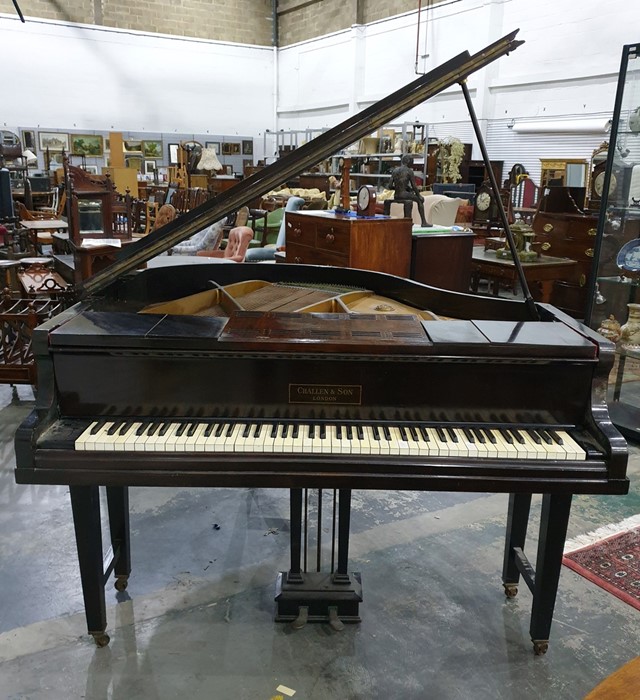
(439, 210)
(208, 239)
(237, 245)
(268, 252)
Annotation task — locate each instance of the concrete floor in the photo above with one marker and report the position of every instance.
(197, 618)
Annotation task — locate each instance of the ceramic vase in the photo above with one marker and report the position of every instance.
(630, 331)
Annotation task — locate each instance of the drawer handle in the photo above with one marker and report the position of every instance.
(297, 232)
(330, 238)
(592, 231)
(589, 252)
(297, 259)
(546, 246)
(547, 228)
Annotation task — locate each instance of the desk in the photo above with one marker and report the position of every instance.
(45, 225)
(542, 272)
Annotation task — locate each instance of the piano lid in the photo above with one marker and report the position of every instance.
(347, 132)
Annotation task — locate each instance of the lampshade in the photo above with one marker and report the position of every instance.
(32, 158)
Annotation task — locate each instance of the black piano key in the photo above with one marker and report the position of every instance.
(338, 432)
(97, 428)
(555, 437)
(508, 438)
(295, 431)
(441, 434)
(230, 429)
(312, 431)
(545, 436)
(469, 434)
(323, 431)
(285, 430)
(247, 430)
(258, 430)
(425, 434)
(479, 435)
(192, 429)
(403, 433)
(414, 433)
(274, 430)
(124, 427)
(386, 432)
(114, 428)
(349, 432)
(181, 429)
(376, 432)
(153, 429)
(360, 432)
(534, 436)
(164, 428)
(452, 435)
(517, 436)
(141, 428)
(209, 429)
(492, 438)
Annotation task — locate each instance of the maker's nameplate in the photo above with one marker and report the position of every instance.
(326, 393)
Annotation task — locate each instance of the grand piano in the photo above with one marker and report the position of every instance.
(310, 377)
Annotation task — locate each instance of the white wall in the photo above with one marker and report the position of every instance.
(94, 78)
(567, 67)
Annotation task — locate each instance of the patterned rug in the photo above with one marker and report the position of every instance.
(612, 563)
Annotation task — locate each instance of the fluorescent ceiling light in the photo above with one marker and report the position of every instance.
(563, 126)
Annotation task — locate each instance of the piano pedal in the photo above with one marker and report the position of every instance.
(334, 621)
(121, 583)
(510, 589)
(100, 638)
(301, 620)
(540, 646)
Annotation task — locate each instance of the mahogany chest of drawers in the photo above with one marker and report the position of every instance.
(368, 243)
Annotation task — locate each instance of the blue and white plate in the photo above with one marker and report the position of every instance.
(629, 256)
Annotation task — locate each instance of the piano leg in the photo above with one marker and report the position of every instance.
(294, 575)
(118, 507)
(554, 520)
(543, 580)
(85, 504)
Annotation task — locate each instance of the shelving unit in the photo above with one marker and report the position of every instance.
(615, 291)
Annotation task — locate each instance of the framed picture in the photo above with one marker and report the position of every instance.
(213, 144)
(87, 145)
(173, 153)
(247, 147)
(149, 167)
(134, 162)
(228, 169)
(152, 149)
(107, 146)
(93, 169)
(53, 141)
(132, 146)
(29, 140)
(246, 163)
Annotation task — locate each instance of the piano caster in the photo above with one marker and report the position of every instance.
(301, 620)
(334, 621)
(540, 646)
(100, 638)
(121, 583)
(510, 590)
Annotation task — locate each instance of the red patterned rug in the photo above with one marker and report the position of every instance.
(612, 563)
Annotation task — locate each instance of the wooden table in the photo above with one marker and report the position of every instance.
(45, 225)
(540, 274)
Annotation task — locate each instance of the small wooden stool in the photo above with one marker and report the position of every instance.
(8, 270)
(622, 684)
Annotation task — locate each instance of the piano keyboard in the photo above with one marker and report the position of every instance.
(339, 439)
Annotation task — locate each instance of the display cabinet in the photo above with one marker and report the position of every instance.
(614, 308)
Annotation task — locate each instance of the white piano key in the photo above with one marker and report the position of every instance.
(84, 436)
(573, 450)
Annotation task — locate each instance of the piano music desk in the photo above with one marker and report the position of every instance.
(540, 274)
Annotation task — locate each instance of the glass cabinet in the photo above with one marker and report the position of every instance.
(614, 308)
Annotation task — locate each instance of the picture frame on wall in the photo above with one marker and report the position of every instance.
(173, 153)
(213, 144)
(28, 139)
(87, 145)
(132, 146)
(152, 149)
(134, 162)
(247, 147)
(149, 167)
(53, 140)
(92, 169)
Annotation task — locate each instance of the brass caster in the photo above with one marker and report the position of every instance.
(121, 583)
(101, 638)
(510, 590)
(540, 647)
(334, 621)
(301, 620)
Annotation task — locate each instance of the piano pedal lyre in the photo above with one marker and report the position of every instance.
(302, 619)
